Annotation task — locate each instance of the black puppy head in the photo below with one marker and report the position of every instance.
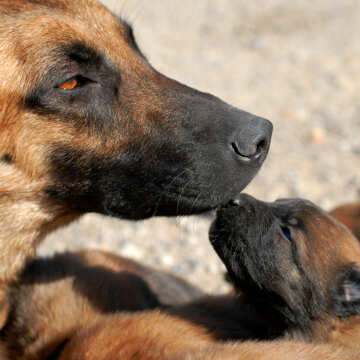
(287, 254)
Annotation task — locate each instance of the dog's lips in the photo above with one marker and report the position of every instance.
(231, 209)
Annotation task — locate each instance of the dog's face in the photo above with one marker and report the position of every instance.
(290, 254)
(83, 113)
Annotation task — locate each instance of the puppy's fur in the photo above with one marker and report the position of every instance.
(288, 259)
(284, 350)
(349, 215)
(297, 280)
(155, 336)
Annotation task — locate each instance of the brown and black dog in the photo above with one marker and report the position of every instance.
(295, 260)
(296, 271)
(86, 124)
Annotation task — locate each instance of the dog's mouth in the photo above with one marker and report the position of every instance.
(163, 208)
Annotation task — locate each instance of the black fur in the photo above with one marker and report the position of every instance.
(130, 38)
(7, 158)
(345, 295)
(93, 282)
(249, 239)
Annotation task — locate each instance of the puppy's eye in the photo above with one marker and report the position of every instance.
(286, 231)
(74, 82)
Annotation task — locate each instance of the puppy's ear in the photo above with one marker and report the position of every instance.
(345, 298)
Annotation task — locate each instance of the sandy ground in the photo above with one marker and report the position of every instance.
(293, 62)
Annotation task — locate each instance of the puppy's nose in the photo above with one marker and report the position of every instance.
(252, 142)
(241, 200)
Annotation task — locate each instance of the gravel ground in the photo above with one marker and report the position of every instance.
(293, 62)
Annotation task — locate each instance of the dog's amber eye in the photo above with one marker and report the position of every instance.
(70, 84)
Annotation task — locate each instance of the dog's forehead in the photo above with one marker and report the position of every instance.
(326, 235)
(55, 25)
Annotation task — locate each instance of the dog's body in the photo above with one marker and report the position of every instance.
(288, 259)
(64, 308)
(290, 291)
(152, 336)
(156, 336)
(86, 124)
(57, 296)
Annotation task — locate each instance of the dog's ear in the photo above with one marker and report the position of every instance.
(345, 298)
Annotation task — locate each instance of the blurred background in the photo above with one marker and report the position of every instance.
(295, 62)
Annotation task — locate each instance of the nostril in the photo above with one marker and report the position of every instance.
(236, 149)
(248, 154)
(261, 146)
(235, 202)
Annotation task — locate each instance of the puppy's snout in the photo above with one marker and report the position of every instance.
(252, 142)
(241, 200)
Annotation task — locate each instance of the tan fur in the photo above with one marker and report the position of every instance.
(150, 335)
(332, 247)
(57, 296)
(25, 215)
(155, 336)
(284, 350)
(29, 33)
(49, 307)
(349, 215)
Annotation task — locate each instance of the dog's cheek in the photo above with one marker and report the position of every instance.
(127, 185)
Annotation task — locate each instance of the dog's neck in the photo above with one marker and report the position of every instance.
(25, 218)
(339, 331)
(331, 330)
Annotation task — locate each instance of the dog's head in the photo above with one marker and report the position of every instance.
(83, 113)
(291, 255)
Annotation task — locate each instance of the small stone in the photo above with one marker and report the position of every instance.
(317, 135)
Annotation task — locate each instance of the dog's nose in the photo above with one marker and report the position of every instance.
(241, 200)
(251, 142)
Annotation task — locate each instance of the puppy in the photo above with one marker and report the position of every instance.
(293, 259)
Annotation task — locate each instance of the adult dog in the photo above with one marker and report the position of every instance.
(86, 124)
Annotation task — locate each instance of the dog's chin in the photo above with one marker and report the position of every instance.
(166, 209)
